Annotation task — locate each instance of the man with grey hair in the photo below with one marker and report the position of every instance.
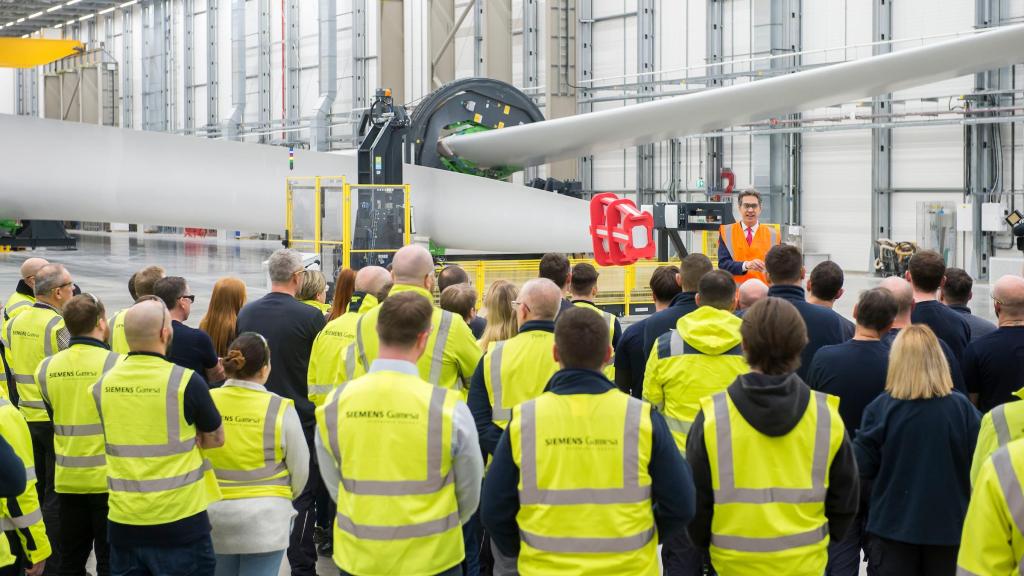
(33, 335)
(749, 293)
(516, 369)
(991, 368)
(290, 328)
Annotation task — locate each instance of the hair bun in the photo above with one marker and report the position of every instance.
(234, 361)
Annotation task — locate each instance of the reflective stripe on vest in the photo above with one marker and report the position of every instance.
(596, 545)
(402, 532)
(728, 493)
(160, 484)
(5, 339)
(80, 461)
(1001, 425)
(435, 446)
(271, 466)
(777, 544)
(20, 522)
(631, 490)
(437, 355)
(498, 411)
(361, 347)
(1009, 483)
(174, 444)
(671, 344)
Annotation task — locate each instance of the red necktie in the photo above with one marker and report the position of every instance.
(750, 236)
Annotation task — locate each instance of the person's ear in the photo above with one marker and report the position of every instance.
(608, 355)
(908, 277)
(696, 299)
(803, 272)
(840, 293)
(421, 341)
(942, 282)
(554, 354)
(768, 278)
(855, 311)
(679, 280)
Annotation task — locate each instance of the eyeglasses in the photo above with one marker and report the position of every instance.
(190, 297)
(751, 206)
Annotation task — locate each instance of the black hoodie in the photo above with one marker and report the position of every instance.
(773, 405)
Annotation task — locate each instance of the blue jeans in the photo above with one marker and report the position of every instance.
(192, 559)
(472, 537)
(266, 564)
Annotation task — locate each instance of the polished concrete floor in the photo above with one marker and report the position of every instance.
(103, 263)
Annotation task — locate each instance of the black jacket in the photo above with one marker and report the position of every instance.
(661, 322)
(671, 484)
(824, 325)
(773, 405)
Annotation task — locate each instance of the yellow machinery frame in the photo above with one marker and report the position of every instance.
(321, 185)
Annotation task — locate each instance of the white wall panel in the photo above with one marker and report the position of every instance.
(836, 196)
(920, 18)
(7, 85)
(904, 212)
(928, 157)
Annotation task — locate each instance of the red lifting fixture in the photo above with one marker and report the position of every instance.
(622, 234)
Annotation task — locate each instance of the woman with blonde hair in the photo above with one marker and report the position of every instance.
(219, 322)
(501, 314)
(915, 445)
(313, 290)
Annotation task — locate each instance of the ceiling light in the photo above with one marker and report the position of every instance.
(70, 22)
(86, 17)
(58, 25)
(9, 24)
(127, 4)
(108, 10)
(24, 35)
(36, 15)
(54, 8)
(20, 20)
(72, 2)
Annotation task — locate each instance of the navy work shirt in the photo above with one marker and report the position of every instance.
(993, 366)
(824, 325)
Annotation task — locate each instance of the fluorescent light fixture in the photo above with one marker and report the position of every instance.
(72, 2)
(24, 35)
(20, 20)
(70, 22)
(54, 8)
(36, 15)
(127, 4)
(86, 17)
(9, 24)
(108, 10)
(58, 25)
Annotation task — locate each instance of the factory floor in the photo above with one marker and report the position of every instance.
(103, 263)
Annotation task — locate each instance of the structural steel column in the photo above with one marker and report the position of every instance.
(531, 63)
(585, 67)
(776, 32)
(359, 65)
(188, 78)
(645, 160)
(155, 67)
(328, 42)
(442, 25)
(881, 138)
(234, 123)
(291, 72)
(263, 67)
(714, 146)
(391, 48)
(492, 45)
(212, 62)
(127, 92)
(559, 93)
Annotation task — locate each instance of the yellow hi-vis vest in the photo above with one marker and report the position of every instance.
(22, 514)
(328, 366)
(451, 356)
(32, 336)
(999, 427)
(517, 370)
(679, 374)
(584, 487)
(390, 434)
(64, 380)
(156, 473)
(609, 368)
(991, 541)
(251, 463)
(118, 341)
(769, 514)
(16, 304)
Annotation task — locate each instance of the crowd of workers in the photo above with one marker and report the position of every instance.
(745, 427)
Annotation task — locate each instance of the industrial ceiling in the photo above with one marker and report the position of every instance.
(20, 17)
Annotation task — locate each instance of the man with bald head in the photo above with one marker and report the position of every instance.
(290, 328)
(992, 364)
(517, 369)
(750, 292)
(326, 369)
(156, 416)
(452, 352)
(904, 293)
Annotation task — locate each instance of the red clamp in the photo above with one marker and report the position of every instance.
(622, 234)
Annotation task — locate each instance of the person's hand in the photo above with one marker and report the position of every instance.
(36, 569)
(755, 264)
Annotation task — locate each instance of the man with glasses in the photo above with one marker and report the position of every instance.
(32, 336)
(191, 348)
(743, 245)
(290, 328)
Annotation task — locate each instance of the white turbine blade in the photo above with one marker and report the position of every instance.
(57, 170)
(585, 134)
